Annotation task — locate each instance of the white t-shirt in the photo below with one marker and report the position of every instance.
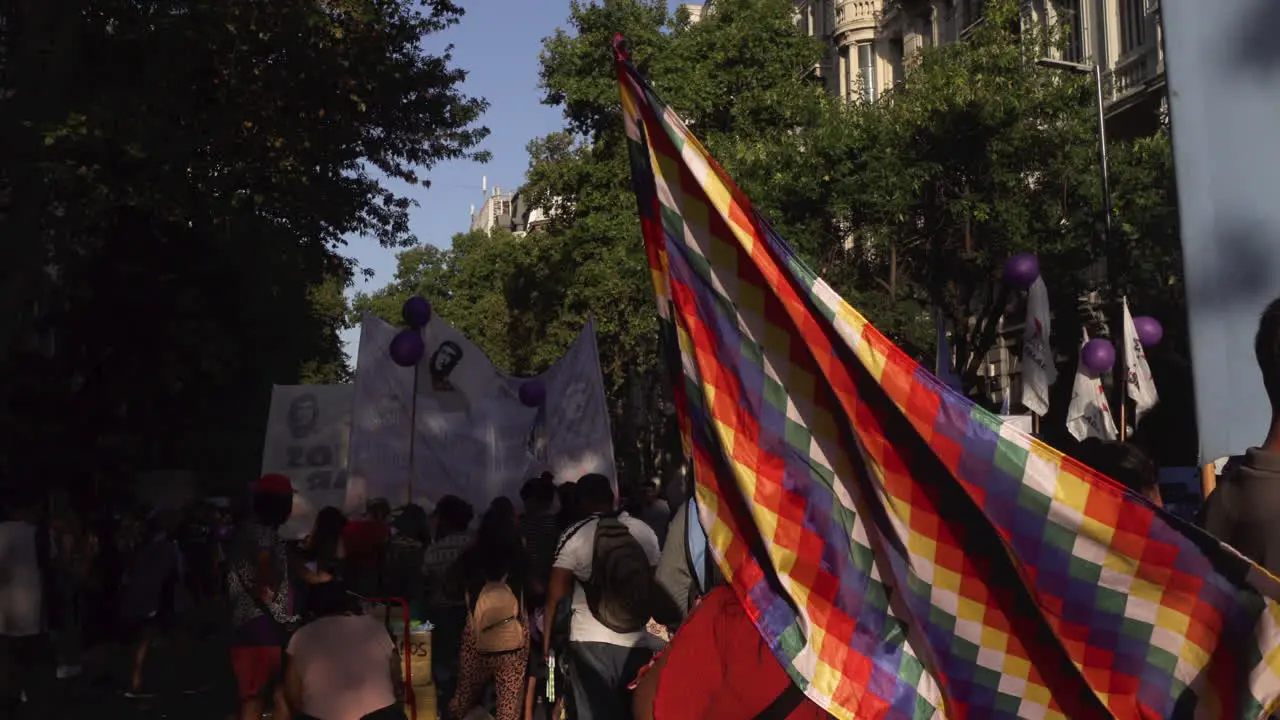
(345, 665)
(576, 554)
(21, 590)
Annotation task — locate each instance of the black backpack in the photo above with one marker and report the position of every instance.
(621, 587)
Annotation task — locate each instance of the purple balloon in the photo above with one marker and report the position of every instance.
(416, 312)
(1098, 355)
(1150, 332)
(1021, 270)
(533, 393)
(407, 348)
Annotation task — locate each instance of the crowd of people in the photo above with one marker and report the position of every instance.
(580, 605)
(561, 609)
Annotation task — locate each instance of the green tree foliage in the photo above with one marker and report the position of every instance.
(904, 205)
(980, 154)
(184, 174)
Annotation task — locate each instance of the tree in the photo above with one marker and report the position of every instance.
(980, 154)
(738, 77)
(906, 205)
(187, 171)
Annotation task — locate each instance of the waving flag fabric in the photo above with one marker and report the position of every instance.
(1089, 413)
(1039, 370)
(905, 554)
(1142, 386)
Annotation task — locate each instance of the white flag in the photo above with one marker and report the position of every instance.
(1089, 415)
(1142, 387)
(1038, 370)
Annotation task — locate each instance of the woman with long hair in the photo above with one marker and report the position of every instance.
(495, 641)
(322, 551)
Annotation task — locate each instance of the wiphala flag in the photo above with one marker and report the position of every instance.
(904, 553)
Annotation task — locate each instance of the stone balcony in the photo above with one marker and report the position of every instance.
(857, 14)
(1135, 71)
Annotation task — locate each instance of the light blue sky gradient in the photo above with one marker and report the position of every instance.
(497, 42)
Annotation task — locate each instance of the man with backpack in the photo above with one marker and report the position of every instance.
(605, 564)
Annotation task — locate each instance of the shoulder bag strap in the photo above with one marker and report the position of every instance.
(784, 704)
(573, 530)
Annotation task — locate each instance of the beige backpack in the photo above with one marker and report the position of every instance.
(498, 618)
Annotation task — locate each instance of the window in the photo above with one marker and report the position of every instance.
(802, 20)
(867, 71)
(1069, 17)
(925, 23)
(1133, 25)
(897, 50)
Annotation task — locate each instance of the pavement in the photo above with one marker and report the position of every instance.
(188, 683)
(198, 686)
(195, 684)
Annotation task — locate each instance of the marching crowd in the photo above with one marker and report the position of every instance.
(583, 605)
(556, 611)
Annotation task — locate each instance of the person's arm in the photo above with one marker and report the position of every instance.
(573, 560)
(397, 676)
(266, 577)
(559, 587)
(673, 574)
(646, 692)
(293, 683)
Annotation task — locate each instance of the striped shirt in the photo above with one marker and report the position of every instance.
(438, 559)
(540, 532)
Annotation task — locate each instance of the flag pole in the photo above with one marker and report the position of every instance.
(1208, 480)
(1121, 377)
(413, 436)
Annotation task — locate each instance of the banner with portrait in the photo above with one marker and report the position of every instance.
(473, 437)
(308, 435)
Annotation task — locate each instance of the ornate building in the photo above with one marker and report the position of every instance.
(870, 40)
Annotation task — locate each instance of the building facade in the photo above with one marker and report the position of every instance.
(869, 42)
(494, 213)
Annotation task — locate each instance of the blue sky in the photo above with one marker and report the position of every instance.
(497, 42)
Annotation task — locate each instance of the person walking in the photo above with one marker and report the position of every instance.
(605, 564)
(495, 641)
(261, 604)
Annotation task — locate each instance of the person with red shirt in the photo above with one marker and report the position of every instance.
(717, 665)
(365, 541)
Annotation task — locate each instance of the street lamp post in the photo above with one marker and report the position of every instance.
(1119, 379)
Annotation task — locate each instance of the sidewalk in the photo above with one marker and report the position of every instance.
(168, 676)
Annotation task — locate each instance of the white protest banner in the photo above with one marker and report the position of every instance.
(380, 419)
(474, 438)
(308, 430)
(577, 413)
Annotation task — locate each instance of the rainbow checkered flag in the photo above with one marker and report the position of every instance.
(904, 553)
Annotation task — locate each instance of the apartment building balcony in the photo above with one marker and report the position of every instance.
(855, 15)
(1135, 73)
